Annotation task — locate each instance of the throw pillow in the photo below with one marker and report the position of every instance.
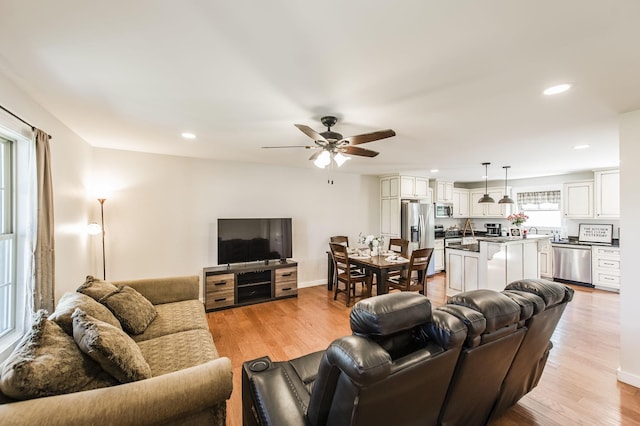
(96, 288)
(132, 309)
(72, 300)
(48, 362)
(110, 347)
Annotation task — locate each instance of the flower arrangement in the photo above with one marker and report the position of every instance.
(517, 219)
(371, 241)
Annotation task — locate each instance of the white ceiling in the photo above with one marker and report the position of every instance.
(460, 82)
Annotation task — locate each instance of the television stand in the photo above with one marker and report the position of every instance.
(242, 284)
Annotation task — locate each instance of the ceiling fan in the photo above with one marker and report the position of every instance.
(333, 146)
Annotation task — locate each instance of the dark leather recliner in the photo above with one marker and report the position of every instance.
(547, 301)
(394, 369)
(493, 338)
(464, 363)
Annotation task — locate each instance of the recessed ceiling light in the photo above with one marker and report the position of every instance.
(188, 135)
(584, 146)
(434, 170)
(560, 88)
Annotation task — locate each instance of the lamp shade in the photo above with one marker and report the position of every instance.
(505, 200)
(323, 159)
(340, 159)
(486, 199)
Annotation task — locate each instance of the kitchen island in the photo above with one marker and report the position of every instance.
(492, 262)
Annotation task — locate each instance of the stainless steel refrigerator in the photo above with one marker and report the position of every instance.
(417, 226)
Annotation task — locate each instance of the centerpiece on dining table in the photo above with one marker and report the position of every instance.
(374, 243)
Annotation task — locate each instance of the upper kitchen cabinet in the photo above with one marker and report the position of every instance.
(442, 191)
(490, 209)
(578, 199)
(389, 186)
(607, 189)
(414, 187)
(460, 202)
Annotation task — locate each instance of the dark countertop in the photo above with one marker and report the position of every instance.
(574, 241)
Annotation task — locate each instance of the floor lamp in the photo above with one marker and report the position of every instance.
(104, 263)
(95, 229)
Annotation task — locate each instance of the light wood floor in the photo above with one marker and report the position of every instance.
(578, 385)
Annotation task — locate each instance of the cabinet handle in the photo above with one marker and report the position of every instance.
(286, 289)
(288, 274)
(605, 278)
(220, 300)
(220, 283)
(609, 263)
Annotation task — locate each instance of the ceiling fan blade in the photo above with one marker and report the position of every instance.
(310, 132)
(369, 137)
(315, 155)
(354, 150)
(289, 146)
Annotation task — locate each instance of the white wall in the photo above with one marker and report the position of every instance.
(161, 211)
(629, 371)
(71, 166)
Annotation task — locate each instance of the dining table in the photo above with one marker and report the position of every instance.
(377, 265)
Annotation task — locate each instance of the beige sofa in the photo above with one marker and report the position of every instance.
(190, 383)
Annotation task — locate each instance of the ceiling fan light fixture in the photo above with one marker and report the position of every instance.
(505, 199)
(323, 159)
(486, 199)
(340, 159)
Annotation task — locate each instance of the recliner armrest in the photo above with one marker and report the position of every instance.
(276, 402)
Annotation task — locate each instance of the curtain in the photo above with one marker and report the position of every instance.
(44, 286)
(538, 197)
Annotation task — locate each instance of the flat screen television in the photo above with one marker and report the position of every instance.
(250, 240)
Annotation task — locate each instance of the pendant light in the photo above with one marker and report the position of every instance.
(505, 199)
(486, 199)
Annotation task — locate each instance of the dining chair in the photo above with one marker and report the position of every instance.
(347, 275)
(415, 276)
(400, 246)
(340, 239)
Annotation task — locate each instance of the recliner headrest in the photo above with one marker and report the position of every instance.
(389, 313)
(552, 293)
(498, 309)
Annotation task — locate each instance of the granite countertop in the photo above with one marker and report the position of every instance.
(571, 240)
(509, 239)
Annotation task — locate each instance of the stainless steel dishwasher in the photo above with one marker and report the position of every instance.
(572, 263)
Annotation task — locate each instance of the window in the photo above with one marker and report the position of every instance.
(542, 207)
(17, 224)
(7, 239)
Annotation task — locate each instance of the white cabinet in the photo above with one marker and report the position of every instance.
(414, 187)
(390, 217)
(605, 264)
(488, 209)
(460, 202)
(389, 187)
(545, 262)
(462, 271)
(443, 191)
(607, 194)
(438, 255)
(390, 206)
(577, 199)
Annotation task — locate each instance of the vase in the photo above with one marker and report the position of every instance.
(374, 250)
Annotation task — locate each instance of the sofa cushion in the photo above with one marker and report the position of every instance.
(96, 288)
(72, 300)
(132, 309)
(174, 318)
(178, 351)
(48, 362)
(110, 347)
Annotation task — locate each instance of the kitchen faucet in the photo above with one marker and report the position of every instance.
(533, 227)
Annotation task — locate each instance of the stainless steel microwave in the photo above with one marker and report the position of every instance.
(444, 210)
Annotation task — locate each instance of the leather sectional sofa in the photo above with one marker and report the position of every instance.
(463, 363)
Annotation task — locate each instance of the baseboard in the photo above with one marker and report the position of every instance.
(312, 283)
(628, 378)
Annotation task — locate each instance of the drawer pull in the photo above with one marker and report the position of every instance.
(609, 263)
(220, 300)
(220, 283)
(608, 279)
(286, 289)
(288, 274)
